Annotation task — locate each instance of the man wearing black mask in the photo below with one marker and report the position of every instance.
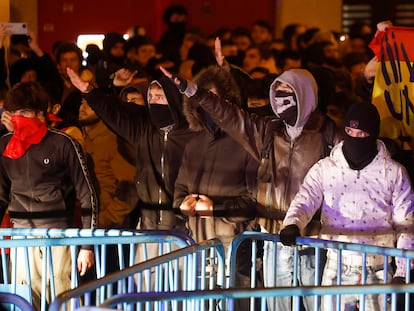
(286, 144)
(365, 197)
(159, 132)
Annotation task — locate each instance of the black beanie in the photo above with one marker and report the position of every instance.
(18, 69)
(363, 116)
(111, 38)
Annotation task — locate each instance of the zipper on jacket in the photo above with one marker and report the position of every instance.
(291, 146)
(166, 132)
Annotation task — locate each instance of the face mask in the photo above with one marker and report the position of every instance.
(27, 132)
(160, 115)
(359, 152)
(286, 107)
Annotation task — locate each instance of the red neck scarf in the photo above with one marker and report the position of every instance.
(27, 132)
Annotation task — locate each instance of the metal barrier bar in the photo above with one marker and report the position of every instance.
(46, 239)
(15, 300)
(190, 281)
(231, 293)
(318, 245)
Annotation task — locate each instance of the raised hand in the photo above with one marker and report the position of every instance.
(218, 53)
(179, 82)
(34, 44)
(124, 76)
(77, 81)
(221, 61)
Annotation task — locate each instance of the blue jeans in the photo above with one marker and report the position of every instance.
(351, 275)
(283, 271)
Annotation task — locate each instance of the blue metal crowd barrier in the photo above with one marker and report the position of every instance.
(9, 300)
(125, 241)
(317, 291)
(191, 275)
(194, 277)
(130, 299)
(203, 296)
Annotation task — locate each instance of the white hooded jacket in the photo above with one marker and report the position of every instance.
(374, 205)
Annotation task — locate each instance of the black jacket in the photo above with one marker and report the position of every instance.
(283, 161)
(41, 187)
(159, 152)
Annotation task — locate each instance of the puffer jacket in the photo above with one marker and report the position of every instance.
(41, 187)
(283, 161)
(159, 152)
(217, 166)
(374, 205)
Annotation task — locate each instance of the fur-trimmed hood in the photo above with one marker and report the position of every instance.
(212, 77)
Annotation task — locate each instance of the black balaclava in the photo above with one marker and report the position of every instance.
(286, 106)
(160, 115)
(359, 152)
(112, 38)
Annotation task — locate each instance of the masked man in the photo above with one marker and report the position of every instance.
(365, 197)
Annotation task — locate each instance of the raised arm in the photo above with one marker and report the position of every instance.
(126, 119)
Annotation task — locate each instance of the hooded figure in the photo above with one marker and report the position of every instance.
(216, 172)
(223, 84)
(302, 98)
(113, 59)
(286, 145)
(360, 150)
(159, 147)
(364, 197)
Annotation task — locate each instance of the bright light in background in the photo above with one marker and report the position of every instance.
(84, 40)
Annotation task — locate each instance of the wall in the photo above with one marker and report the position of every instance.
(24, 11)
(4, 10)
(211, 15)
(66, 19)
(325, 14)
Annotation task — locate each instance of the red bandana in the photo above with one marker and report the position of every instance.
(27, 131)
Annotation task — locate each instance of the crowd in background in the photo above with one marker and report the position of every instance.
(157, 160)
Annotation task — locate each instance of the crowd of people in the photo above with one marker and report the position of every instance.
(210, 134)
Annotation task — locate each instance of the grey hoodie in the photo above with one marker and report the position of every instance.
(306, 90)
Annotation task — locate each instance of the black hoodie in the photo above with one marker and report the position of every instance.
(159, 152)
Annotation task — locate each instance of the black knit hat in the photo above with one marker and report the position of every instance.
(363, 116)
(21, 66)
(111, 38)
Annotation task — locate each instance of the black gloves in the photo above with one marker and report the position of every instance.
(182, 86)
(289, 234)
